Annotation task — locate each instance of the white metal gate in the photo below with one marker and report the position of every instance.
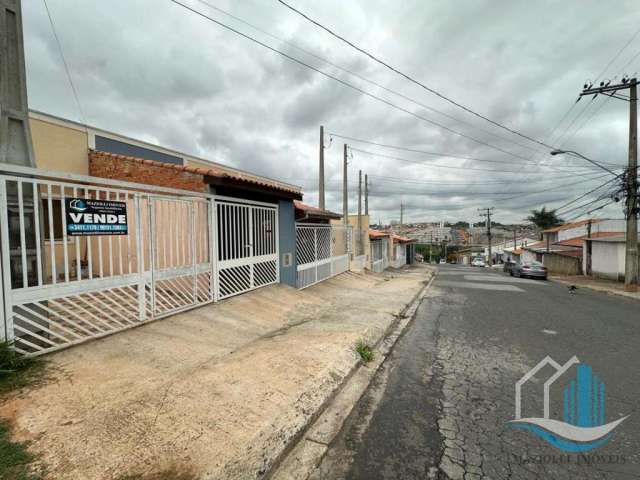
(247, 246)
(322, 251)
(181, 271)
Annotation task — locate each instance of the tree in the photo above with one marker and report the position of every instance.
(544, 218)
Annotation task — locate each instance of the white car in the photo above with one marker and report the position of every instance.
(478, 262)
(443, 261)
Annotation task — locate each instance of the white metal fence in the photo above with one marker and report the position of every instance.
(181, 250)
(322, 251)
(379, 255)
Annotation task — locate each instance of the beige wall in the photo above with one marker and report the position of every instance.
(353, 221)
(59, 148)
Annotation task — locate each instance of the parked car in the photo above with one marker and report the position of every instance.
(478, 262)
(529, 269)
(508, 266)
(443, 261)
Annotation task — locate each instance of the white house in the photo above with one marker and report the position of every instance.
(607, 257)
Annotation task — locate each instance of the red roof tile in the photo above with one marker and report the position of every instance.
(311, 210)
(578, 241)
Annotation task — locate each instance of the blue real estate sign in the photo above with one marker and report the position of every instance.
(95, 217)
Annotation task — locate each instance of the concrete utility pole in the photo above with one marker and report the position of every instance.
(488, 217)
(15, 135)
(631, 184)
(401, 214)
(589, 246)
(345, 192)
(631, 261)
(321, 171)
(15, 145)
(360, 245)
(366, 194)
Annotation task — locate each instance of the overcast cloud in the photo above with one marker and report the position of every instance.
(152, 70)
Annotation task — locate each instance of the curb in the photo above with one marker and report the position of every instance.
(307, 449)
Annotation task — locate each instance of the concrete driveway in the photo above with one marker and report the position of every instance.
(216, 392)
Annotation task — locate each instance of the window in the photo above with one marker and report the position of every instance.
(56, 212)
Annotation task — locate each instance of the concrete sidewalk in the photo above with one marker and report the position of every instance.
(606, 286)
(217, 392)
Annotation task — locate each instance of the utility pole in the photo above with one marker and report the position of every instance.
(631, 261)
(16, 147)
(401, 214)
(589, 247)
(321, 171)
(360, 246)
(631, 176)
(366, 194)
(345, 192)
(488, 217)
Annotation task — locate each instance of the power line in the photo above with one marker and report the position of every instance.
(425, 152)
(360, 77)
(449, 166)
(64, 62)
(343, 82)
(561, 207)
(411, 79)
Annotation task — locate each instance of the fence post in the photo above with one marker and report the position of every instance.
(142, 307)
(213, 248)
(331, 251)
(192, 209)
(6, 267)
(315, 251)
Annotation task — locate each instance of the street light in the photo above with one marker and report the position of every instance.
(558, 152)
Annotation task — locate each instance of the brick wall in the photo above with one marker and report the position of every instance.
(120, 167)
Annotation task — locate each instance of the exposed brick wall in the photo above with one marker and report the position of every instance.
(120, 167)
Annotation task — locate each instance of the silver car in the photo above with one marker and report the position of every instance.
(529, 269)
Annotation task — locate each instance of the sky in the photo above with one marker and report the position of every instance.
(155, 71)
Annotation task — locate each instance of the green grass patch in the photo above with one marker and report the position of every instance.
(364, 350)
(17, 371)
(15, 460)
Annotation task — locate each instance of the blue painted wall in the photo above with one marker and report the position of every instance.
(287, 233)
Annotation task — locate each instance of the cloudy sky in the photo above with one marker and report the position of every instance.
(153, 70)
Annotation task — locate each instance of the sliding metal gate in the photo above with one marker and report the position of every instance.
(247, 246)
(180, 251)
(181, 271)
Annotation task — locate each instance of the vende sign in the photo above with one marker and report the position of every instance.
(95, 217)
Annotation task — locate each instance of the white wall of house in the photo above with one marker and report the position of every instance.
(528, 256)
(599, 226)
(607, 259)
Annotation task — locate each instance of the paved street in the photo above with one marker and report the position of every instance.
(438, 407)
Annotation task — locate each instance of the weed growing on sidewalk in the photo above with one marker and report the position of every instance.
(17, 371)
(14, 457)
(364, 350)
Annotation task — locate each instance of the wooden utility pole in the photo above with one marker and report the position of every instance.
(360, 246)
(345, 192)
(631, 176)
(321, 171)
(488, 217)
(366, 194)
(631, 261)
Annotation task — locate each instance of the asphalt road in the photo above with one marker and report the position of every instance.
(438, 408)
